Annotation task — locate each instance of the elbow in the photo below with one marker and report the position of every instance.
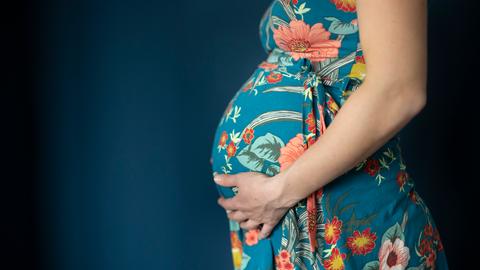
(404, 98)
(410, 95)
(404, 103)
(406, 94)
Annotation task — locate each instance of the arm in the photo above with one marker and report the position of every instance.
(393, 38)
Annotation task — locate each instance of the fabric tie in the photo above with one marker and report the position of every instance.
(323, 105)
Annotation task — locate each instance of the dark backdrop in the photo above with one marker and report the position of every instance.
(108, 113)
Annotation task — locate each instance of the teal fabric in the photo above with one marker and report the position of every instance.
(369, 218)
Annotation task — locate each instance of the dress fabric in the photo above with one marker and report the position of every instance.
(371, 217)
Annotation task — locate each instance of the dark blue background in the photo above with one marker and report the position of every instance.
(119, 101)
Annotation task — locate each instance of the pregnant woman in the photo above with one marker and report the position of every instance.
(307, 157)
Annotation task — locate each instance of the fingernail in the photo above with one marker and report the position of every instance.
(216, 178)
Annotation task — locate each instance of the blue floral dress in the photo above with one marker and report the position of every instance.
(371, 217)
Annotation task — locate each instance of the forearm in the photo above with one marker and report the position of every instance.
(372, 115)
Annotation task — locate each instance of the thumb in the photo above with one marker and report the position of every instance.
(266, 230)
(225, 180)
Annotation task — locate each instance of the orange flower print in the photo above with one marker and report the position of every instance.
(236, 249)
(311, 140)
(360, 59)
(311, 123)
(231, 149)
(425, 246)
(428, 230)
(274, 77)
(228, 108)
(429, 245)
(332, 105)
(413, 196)
(373, 166)
(304, 41)
(235, 241)
(358, 69)
(345, 5)
(333, 230)
(282, 260)
(431, 260)
(335, 261)
(362, 243)
(223, 139)
(291, 151)
(402, 177)
(247, 86)
(439, 245)
(248, 135)
(286, 266)
(436, 237)
(267, 66)
(284, 255)
(251, 237)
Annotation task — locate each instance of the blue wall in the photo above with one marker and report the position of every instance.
(131, 92)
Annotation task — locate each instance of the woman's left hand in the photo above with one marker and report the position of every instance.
(260, 199)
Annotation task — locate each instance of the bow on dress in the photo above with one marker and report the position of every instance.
(326, 95)
(318, 107)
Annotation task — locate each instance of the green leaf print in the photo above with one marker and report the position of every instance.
(245, 260)
(341, 28)
(301, 10)
(383, 163)
(234, 225)
(354, 222)
(250, 159)
(393, 233)
(373, 265)
(295, 238)
(339, 209)
(273, 170)
(264, 148)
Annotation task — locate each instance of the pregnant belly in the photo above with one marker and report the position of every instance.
(263, 124)
(278, 112)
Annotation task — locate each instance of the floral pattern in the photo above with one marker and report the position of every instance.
(371, 217)
(362, 243)
(335, 261)
(333, 230)
(301, 40)
(393, 255)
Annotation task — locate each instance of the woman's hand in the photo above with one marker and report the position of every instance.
(260, 200)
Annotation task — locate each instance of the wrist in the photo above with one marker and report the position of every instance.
(286, 191)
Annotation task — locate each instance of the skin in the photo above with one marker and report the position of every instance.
(393, 36)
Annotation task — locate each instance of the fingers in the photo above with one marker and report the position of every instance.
(228, 204)
(249, 224)
(238, 216)
(226, 180)
(265, 231)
